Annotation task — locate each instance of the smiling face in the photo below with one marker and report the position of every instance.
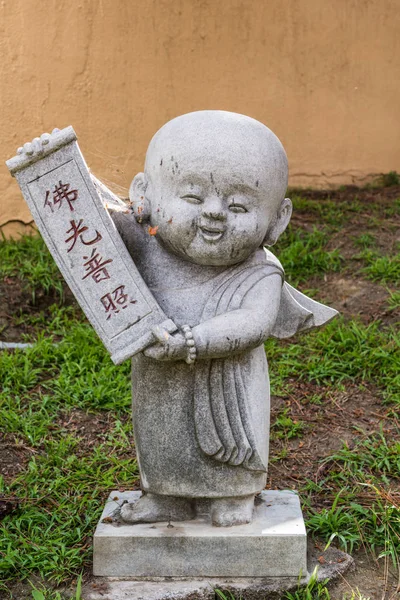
(208, 218)
(213, 186)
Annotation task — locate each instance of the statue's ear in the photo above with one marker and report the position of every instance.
(137, 195)
(279, 224)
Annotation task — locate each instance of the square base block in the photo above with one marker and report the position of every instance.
(273, 545)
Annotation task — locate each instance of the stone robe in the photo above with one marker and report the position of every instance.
(202, 430)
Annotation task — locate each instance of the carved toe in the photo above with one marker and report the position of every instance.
(228, 512)
(151, 508)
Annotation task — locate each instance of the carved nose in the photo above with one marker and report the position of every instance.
(212, 209)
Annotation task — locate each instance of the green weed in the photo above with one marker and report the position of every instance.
(50, 533)
(365, 240)
(394, 300)
(327, 211)
(373, 220)
(66, 482)
(314, 590)
(280, 455)
(56, 321)
(393, 210)
(332, 214)
(384, 269)
(219, 594)
(336, 522)
(76, 370)
(303, 254)
(28, 259)
(388, 179)
(355, 595)
(374, 455)
(353, 525)
(316, 399)
(46, 594)
(368, 469)
(285, 427)
(340, 351)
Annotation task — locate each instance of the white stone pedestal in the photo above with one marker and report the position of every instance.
(273, 545)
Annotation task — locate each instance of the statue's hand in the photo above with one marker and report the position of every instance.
(171, 348)
(177, 349)
(157, 351)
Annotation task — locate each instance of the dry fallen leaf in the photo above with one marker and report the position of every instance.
(318, 546)
(153, 230)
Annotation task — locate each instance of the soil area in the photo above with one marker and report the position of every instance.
(345, 414)
(17, 304)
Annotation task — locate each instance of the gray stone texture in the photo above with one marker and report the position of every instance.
(272, 545)
(213, 191)
(67, 205)
(332, 564)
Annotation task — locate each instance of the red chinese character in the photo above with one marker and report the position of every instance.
(95, 266)
(116, 301)
(46, 201)
(60, 193)
(77, 229)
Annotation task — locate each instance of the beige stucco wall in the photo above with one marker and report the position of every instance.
(323, 75)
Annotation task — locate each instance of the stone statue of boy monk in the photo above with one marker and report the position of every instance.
(211, 197)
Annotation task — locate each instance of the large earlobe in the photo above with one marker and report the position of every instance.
(280, 223)
(137, 196)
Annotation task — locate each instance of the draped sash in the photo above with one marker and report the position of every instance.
(223, 424)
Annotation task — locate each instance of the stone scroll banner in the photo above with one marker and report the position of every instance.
(68, 210)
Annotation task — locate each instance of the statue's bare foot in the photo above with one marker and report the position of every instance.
(226, 512)
(152, 508)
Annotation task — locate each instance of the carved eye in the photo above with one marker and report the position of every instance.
(193, 199)
(237, 208)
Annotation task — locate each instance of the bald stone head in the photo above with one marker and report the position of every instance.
(214, 185)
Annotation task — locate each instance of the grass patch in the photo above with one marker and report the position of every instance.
(77, 371)
(327, 211)
(388, 179)
(384, 269)
(50, 533)
(285, 427)
(340, 351)
(365, 240)
(394, 300)
(364, 511)
(46, 594)
(393, 210)
(335, 213)
(304, 254)
(66, 474)
(64, 484)
(314, 590)
(28, 259)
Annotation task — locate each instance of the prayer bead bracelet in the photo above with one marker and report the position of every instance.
(192, 352)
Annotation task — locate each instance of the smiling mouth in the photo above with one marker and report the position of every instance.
(211, 234)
